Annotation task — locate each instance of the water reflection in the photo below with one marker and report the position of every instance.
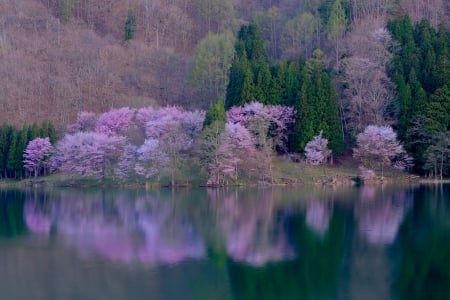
(252, 225)
(318, 216)
(360, 243)
(380, 214)
(123, 230)
(11, 211)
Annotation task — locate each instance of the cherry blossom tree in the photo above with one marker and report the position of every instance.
(236, 151)
(366, 174)
(88, 153)
(152, 161)
(127, 162)
(36, 155)
(170, 131)
(378, 145)
(115, 121)
(316, 151)
(280, 119)
(85, 122)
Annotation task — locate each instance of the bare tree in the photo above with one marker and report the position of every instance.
(369, 92)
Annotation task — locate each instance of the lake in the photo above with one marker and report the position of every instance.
(236, 243)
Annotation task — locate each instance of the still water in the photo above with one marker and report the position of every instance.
(356, 243)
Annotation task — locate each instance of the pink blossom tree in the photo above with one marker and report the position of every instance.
(127, 162)
(36, 155)
(236, 152)
(378, 145)
(279, 118)
(152, 161)
(115, 121)
(316, 151)
(174, 131)
(85, 122)
(88, 153)
(366, 174)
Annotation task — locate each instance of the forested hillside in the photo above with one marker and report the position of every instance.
(59, 57)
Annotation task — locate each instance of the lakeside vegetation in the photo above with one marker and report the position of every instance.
(386, 102)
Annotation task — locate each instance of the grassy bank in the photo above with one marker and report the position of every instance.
(342, 173)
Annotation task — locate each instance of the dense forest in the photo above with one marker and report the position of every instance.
(342, 65)
(60, 57)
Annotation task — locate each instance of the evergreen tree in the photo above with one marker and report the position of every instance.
(250, 76)
(303, 130)
(405, 105)
(130, 26)
(437, 112)
(3, 146)
(12, 162)
(421, 71)
(293, 81)
(442, 50)
(216, 113)
(50, 132)
(335, 134)
(240, 86)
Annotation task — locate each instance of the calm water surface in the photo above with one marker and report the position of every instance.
(357, 243)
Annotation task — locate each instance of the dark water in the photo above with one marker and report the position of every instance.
(359, 243)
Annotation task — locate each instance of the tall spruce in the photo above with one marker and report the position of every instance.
(421, 71)
(216, 113)
(250, 76)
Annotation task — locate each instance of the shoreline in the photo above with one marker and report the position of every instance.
(324, 180)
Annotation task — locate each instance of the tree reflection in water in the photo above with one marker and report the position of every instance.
(318, 215)
(124, 230)
(380, 214)
(253, 227)
(364, 243)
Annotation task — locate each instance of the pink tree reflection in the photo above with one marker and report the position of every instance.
(318, 215)
(379, 219)
(37, 221)
(252, 232)
(125, 232)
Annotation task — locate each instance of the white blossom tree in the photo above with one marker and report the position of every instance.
(378, 145)
(316, 151)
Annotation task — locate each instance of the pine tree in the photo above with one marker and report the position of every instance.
(250, 76)
(335, 135)
(240, 87)
(216, 113)
(130, 26)
(51, 132)
(437, 112)
(303, 130)
(12, 163)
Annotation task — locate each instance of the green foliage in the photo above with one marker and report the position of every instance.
(212, 62)
(130, 26)
(240, 86)
(66, 9)
(421, 71)
(216, 113)
(316, 110)
(437, 111)
(337, 21)
(250, 77)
